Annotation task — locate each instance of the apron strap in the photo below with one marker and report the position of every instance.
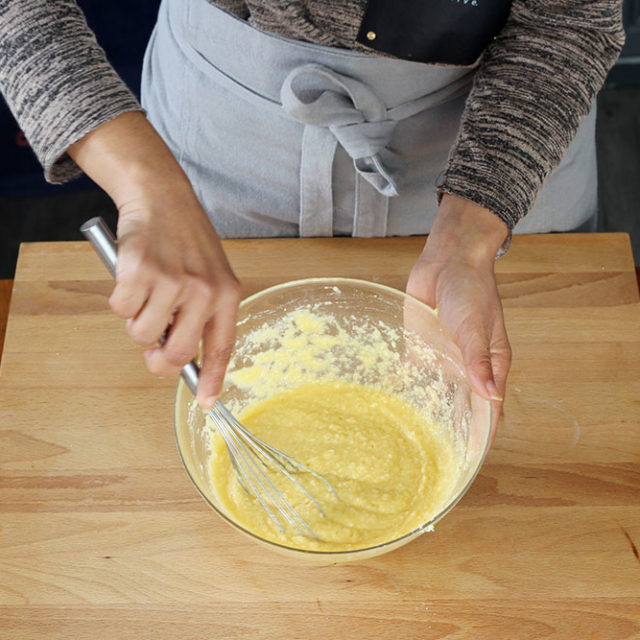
(316, 197)
(371, 211)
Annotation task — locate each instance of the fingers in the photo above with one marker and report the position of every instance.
(150, 323)
(134, 282)
(500, 356)
(132, 290)
(197, 308)
(475, 345)
(207, 315)
(183, 338)
(217, 344)
(455, 274)
(500, 364)
(487, 361)
(128, 298)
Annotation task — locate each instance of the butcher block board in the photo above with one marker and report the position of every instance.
(103, 536)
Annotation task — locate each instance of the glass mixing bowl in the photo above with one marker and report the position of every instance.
(413, 357)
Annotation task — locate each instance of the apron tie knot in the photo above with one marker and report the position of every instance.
(355, 116)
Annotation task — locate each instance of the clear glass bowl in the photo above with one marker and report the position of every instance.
(419, 361)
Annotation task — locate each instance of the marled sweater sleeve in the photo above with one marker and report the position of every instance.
(536, 82)
(56, 79)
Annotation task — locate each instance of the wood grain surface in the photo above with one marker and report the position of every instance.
(103, 536)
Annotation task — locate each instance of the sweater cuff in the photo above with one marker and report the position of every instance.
(56, 79)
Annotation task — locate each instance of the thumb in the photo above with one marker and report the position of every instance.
(476, 353)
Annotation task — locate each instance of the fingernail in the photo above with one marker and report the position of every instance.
(493, 391)
(208, 403)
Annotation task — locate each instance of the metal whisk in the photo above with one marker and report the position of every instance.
(250, 456)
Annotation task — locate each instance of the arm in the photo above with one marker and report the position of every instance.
(56, 79)
(536, 82)
(79, 116)
(171, 266)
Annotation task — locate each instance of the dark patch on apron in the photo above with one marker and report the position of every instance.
(433, 31)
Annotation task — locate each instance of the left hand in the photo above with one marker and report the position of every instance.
(455, 275)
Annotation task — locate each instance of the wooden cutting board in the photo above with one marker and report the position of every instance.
(103, 536)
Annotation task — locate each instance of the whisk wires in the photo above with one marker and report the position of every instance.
(251, 457)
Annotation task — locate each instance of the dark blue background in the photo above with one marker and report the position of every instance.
(122, 28)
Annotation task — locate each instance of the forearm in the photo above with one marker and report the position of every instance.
(466, 232)
(537, 81)
(56, 79)
(130, 161)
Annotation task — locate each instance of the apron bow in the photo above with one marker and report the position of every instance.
(338, 109)
(351, 111)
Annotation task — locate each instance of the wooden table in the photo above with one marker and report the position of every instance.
(103, 536)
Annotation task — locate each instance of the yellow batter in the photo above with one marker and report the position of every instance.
(391, 469)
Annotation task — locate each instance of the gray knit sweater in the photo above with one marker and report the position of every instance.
(536, 81)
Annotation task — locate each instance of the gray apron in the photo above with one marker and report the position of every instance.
(285, 138)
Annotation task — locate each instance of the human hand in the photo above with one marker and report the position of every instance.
(172, 270)
(455, 275)
(171, 267)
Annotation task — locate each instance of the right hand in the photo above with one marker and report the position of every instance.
(172, 270)
(171, 266)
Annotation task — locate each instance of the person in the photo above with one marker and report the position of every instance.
(319, 117)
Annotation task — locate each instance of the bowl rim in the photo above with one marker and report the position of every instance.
(396, 542)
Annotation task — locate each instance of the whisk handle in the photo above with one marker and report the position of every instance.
(190, 374)
(103, 241)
